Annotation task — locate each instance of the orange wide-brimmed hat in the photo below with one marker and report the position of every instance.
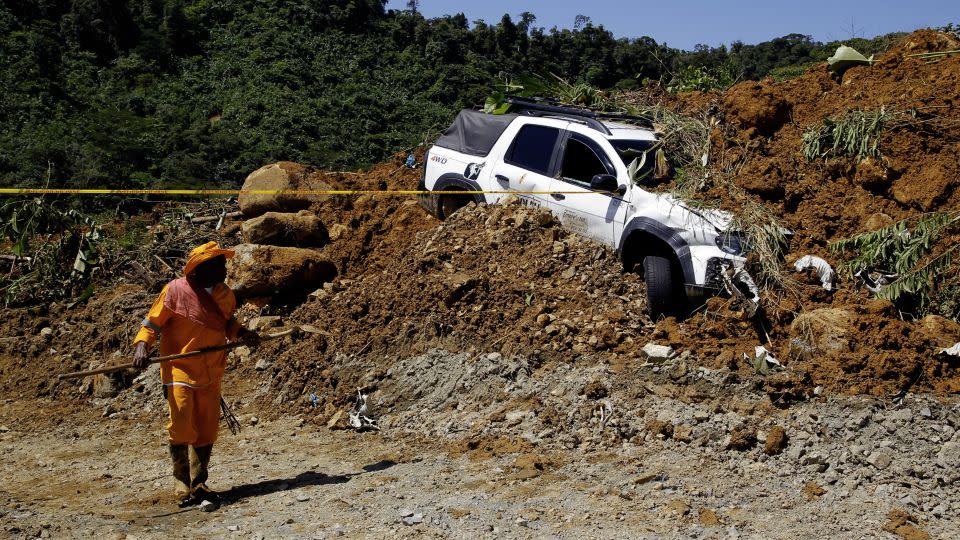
(201, 254)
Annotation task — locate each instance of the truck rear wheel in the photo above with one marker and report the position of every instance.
(663, 299)
(450, 204)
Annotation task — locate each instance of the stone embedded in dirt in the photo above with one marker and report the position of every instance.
(786, 387)
(880, 459)
(776, 441)
(302, 229)
(412, 519)
(661, 429)
(813, 490)
(657, 354)
(263, 322)
(271, 270)
(872, 175)
(825, 330)
(949, 455)
(900, 524)
(208, 506)
(336, 231)
(742, 438)
(708, 518)
(281, 176)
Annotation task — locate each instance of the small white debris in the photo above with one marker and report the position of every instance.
(823, 268)
(951, 351)
(657, 353)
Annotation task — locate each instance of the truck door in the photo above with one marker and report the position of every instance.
(597, 214)
(528, 165)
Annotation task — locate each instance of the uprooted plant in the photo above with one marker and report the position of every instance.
(53, 252)
(915, 255)
(856, 133)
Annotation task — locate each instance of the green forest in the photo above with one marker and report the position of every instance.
(176, 93)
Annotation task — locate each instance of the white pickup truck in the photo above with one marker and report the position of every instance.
(575, 163)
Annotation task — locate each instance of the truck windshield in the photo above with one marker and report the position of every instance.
(645, 152)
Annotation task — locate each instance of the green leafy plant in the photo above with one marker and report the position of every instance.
(914, 251)
(55, 251)
(856, 133)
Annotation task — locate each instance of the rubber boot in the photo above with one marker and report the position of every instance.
(199, 466)
(180, 455)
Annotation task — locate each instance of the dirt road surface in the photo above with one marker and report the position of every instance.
(850, 467)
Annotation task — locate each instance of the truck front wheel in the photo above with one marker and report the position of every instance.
(663, 299)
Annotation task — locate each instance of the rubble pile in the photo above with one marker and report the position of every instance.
(504, 278)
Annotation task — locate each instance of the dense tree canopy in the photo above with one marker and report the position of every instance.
(180, 92)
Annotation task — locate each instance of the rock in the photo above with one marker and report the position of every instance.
(880, 459)
(263, 322)
(413, 519)
(107, 411)
(263, 364)
(281, 176)
(4, 429)
(108, 385)
(657, 353)
(303, 229)
(269, 270)
(46, 333)
(949, 455)
(337, 231)
(876, 221)
(708, 518)
(776, 441)
(825, 330)
(334, 420)
(742, 438)
(208, 506)
(871, 175)
(303, 498)
(254, 420)
(679, 507)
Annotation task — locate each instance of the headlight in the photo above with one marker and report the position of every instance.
(733, 242)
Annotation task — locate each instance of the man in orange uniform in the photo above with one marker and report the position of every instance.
(193, 312)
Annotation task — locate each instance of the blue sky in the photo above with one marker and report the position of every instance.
(683, 24)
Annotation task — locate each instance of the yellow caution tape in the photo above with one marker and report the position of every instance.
(230, 192)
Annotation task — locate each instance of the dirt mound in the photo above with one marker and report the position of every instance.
(503, 278)
(43, 341)
(823, 201)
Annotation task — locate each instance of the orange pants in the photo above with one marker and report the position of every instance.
(194, 414)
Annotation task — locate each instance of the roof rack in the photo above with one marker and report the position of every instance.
(538, 106)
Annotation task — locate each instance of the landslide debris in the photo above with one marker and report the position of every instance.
(505, 278)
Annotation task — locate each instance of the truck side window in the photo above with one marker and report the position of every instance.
(581, 163)
(533, 148)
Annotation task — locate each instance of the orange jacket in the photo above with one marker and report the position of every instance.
(180, 335)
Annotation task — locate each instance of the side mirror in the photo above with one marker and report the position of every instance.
(607, 182)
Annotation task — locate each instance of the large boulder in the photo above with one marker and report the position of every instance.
(281, 176)
(822, 331)
(303, 229)
(258, 270)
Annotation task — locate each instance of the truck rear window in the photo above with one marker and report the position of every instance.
(532, 149)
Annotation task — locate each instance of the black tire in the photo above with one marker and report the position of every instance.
(662, 297)
(450, 204)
